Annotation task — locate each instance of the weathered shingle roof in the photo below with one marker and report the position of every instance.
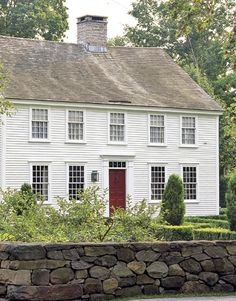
(45, 70)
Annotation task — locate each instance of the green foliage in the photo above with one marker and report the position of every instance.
(172, 205)
(213, 234)
(45, 19)
(6, 106)
(174, 233)
(24, 219)
(200, 36)
(231, 201)
(117, 41)
(211, 222)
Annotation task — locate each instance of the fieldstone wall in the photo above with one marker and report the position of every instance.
(106, 271)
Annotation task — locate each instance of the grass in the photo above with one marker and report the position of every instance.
(162, 296)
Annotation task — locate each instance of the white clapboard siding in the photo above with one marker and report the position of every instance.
(20, 152)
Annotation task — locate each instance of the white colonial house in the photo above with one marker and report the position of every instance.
(121, 118)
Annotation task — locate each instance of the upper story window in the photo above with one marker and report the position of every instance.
(117, 127)
(76, 180)
(39, 124)
(188, 136)
(157, 182)
(40, 180)
(75, 130)
(190, 182)
(156, 129)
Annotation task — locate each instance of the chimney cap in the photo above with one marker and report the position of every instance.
(92, 18)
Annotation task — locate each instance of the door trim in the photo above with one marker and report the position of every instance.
(129, 179)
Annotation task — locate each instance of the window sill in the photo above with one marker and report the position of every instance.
(188, 146)
(157, 145)
(39, 141)
(116, 143)
(75, 142)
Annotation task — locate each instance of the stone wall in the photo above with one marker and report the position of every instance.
(106, 271)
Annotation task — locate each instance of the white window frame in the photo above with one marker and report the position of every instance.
(45, 163)
(31, 139)
(196, 131)
(165, 131)
(125, 128)
(67, 175)
(196, 165)
(150, 165)
(195, 145)
(67, 127)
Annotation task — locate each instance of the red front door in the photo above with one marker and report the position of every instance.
(116, 189)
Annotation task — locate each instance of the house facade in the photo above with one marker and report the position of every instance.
(120, 118)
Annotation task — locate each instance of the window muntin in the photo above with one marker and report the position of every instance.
(39, 125)
(188, 130)
(76, 125)
(157, 129)
(117, 164)
(117, 127)
(40, 180)
(76, 180)
(190, 182)
(157, 182)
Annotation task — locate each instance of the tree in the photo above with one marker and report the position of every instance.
(231, 201)
(45, 19)
(5, 105)
(172, 205)
(200, 37)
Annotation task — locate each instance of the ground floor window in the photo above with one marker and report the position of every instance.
(76, 180)
(190, 182)
(40, 181)
(157, 182)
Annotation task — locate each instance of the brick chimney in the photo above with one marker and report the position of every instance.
(92, 33)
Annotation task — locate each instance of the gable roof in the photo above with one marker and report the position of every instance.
(43, 70)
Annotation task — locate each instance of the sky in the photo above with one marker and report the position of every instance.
(115, 10)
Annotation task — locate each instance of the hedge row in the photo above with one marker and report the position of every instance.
(171, 233)
(213, 223)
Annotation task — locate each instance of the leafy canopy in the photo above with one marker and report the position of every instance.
(45, 19)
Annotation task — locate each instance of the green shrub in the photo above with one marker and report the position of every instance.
(174, 233)
(211, 222)
(213, 234)
(231, 201)
(172, 205)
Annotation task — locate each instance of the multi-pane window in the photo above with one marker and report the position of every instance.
(40, 181)
(190, 182)
(76, 125)
(157, 182)
(117, 127)
(157, 129)
(188, 130)
(117, 164)
(39, 124)
(76, 180)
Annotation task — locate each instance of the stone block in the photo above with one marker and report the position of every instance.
(137, 267)
(176, 270)
(215, 252)
(194, 287)
(72, 254)
(144, 279)
(81, 274)
(110, 285)
(19, 277)
(172, 282)
(27, 252)
(92, 286)
(57, 255)
(127, 281)
(121, 270)
(106, 261)
(209, 278)
(191, 266)
(150, 289)
(129, 291)
(40, 277)
(80, 265)
(99, 251)
(125, 254)
(147, 256)
(41, 293)
(99, 272)
(61, 276)
(157, 270)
